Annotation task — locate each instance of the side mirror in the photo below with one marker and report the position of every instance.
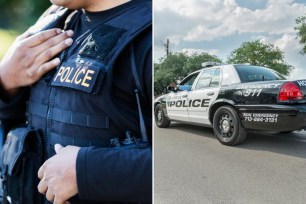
(171, 89)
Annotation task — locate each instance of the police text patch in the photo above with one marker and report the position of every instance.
(81, 78)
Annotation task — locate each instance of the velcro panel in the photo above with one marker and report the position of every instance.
(101, 42)
(70, 117)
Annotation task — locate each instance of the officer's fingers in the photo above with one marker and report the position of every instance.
(41, 172)
(58, 200)
(24, 35)
(52, 42)
(46, 67)
(49, 195)
(41, 37)
(35, 73)
(42, 187)
(66, 202)
(51, 52)
(57, 148)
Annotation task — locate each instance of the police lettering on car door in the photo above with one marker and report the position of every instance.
(190, 103)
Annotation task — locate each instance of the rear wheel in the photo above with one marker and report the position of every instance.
(160, 119)
(228, 127)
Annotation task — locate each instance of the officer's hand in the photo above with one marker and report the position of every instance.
(30, 57)
(58, 175)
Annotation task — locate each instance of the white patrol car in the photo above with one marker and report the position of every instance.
(233, 99)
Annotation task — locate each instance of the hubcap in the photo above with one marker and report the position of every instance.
(225, 126)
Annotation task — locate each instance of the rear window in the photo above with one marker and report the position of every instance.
(249, 73)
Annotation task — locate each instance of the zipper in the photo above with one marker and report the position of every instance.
(48, 124)
(48, 81)
(50, 106)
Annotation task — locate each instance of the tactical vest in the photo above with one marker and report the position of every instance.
(75, 106)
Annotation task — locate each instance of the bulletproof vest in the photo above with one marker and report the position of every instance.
(75, 105)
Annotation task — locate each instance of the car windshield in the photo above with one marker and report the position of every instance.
(249, 73)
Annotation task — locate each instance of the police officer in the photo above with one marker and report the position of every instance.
(80, 86)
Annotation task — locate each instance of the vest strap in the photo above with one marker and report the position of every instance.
(66, 140)
(69, 117)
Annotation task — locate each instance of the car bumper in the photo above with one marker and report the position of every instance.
(274, 118)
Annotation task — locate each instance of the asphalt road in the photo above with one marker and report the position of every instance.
(191, 166)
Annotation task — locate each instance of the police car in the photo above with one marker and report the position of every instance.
(233, 99)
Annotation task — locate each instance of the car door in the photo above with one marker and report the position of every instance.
(177, 101)
(203, 93)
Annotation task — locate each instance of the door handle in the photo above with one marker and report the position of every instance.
(210, 94)
(184, 96)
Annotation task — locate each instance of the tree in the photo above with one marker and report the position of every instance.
(260, 54)
(176, 66)
(301, 32)
(168, 70)
(196, 60)
(20, 14)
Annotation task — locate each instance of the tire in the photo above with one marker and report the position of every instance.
(160, 119)
(228, 127)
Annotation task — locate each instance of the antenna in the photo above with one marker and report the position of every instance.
(144, 135)
(143, 130)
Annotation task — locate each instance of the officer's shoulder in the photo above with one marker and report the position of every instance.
(51, 10)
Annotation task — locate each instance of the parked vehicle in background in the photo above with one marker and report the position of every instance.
(235, 98)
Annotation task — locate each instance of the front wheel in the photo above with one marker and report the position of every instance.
(228, 127)
(160, 119)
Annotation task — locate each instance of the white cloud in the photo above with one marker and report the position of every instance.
(214, 19)
(201, 23)
(285, 40)
(263, 39)
(291, 47)
(159, 52)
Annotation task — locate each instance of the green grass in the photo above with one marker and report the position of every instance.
(7, 37)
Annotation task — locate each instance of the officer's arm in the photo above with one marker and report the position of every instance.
(12, 110)
(121, 175)
(27, 60)
(115, 175)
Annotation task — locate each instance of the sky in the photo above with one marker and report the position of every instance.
(219, 26)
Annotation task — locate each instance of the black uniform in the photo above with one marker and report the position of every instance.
(90, 99)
